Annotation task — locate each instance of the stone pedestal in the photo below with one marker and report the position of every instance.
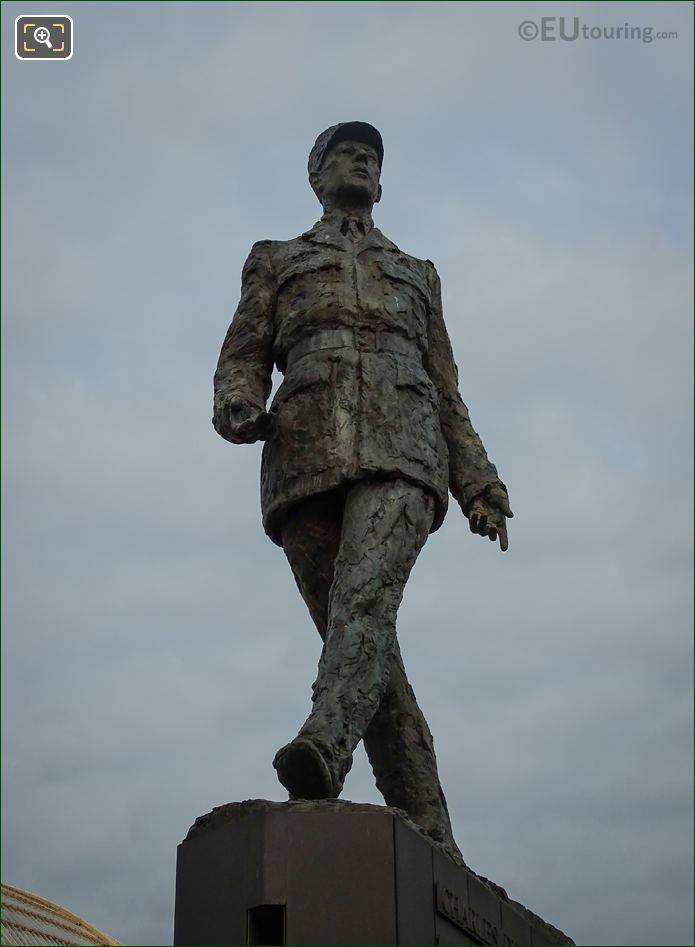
(334, 872)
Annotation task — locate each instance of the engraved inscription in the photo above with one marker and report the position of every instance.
(455, 908)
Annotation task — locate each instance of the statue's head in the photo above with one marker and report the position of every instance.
(345, 165)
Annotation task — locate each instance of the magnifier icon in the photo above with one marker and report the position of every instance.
(43, 35)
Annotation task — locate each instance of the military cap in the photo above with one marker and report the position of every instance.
(344, 131)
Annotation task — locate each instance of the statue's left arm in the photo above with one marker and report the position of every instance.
(473, 478)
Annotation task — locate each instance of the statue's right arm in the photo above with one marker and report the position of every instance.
(243, 378)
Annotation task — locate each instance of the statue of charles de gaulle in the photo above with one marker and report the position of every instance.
(364, 439)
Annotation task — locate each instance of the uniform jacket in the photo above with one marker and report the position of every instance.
(370, 386)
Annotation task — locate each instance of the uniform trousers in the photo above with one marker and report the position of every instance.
(351, 552)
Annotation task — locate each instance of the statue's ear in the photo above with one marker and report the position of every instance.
(378, 195)
(314, 180)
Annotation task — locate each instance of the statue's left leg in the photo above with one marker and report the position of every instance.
(385, 524)
(398, 741)
(400, 748)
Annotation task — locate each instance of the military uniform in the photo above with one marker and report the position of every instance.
(364, 439)
(370, 387)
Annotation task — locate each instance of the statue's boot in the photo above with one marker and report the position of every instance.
(343, 569)
(304, 772)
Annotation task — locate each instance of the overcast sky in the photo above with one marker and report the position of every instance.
(156, 651)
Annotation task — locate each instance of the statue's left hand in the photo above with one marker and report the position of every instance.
(488, 516)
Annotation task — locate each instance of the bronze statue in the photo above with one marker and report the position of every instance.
(365, 437)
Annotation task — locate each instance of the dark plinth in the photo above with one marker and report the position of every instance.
(334, 872)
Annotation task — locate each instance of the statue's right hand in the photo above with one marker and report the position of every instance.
(240, 421)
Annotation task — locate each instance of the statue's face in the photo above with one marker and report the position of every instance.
(349, 176)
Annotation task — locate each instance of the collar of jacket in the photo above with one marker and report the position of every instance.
(323, 232)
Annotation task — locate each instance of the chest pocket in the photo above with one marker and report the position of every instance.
(305, 282)
(312, 267)
(400, 273)
(403, 293)
(305, 267)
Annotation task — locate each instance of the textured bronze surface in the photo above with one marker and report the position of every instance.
(364, 439)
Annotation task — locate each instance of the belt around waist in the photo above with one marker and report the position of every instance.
(363, 339)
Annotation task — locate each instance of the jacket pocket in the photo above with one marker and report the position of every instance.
(398, 272)
(303, 431)
(412, 375)
(419, 413)
(306, 375)
(318, 266)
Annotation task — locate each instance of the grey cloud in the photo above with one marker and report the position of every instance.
(144, 683)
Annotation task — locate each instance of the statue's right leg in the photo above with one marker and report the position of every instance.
(310, 540)
(398, 740)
